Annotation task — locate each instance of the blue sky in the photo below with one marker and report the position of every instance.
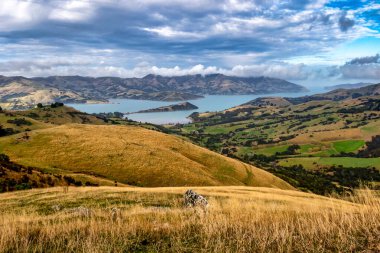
(317, 42)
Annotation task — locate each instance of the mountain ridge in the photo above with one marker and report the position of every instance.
(80, 89)
(347, 86)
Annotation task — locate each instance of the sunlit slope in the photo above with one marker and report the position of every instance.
(132, 155)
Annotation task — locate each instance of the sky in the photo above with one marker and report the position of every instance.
(313, 43)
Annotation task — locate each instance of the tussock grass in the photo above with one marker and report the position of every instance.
(240, 219)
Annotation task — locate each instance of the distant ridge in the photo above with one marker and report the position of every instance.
(335, 95)
(21, 92)
(339, 94)
(347, 86)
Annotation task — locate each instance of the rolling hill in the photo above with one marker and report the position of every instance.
(131, 155)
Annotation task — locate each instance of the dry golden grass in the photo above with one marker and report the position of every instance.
(132, 155)
(240, 219)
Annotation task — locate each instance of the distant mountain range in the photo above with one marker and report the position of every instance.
(347, 86)
(339, 94)
(335, 95)
(20, 92)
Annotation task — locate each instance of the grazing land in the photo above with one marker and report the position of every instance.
(285, 134)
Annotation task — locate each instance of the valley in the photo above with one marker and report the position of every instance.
(309, 135)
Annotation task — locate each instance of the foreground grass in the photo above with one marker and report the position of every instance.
(240, 219)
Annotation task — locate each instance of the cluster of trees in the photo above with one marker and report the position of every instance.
(52, 105)
(19, 122)
(372, 148)
(6, 131)
(326, 181)
(291, 150)
(107, 115)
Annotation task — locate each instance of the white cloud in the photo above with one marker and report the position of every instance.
(169, 32)
(15, 15)
(72, 11)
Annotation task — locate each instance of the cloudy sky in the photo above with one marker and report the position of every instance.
(318, 42)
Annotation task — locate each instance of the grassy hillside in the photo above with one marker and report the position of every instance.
(239, 219)
(131, 155)
(47, 116)
(14, 176)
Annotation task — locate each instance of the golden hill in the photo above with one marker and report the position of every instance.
(132, 155)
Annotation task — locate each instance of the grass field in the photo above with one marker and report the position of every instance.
(271, 150)
(239, 219)
(132, 155)
(312, 162)
(321, 149)
(348, 146)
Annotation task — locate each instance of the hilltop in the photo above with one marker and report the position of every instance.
(21, 92)
(131, 155)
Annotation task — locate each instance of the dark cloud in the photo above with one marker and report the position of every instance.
(365, 60)
(345, 23)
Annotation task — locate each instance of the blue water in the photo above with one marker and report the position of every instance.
(209, 103)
